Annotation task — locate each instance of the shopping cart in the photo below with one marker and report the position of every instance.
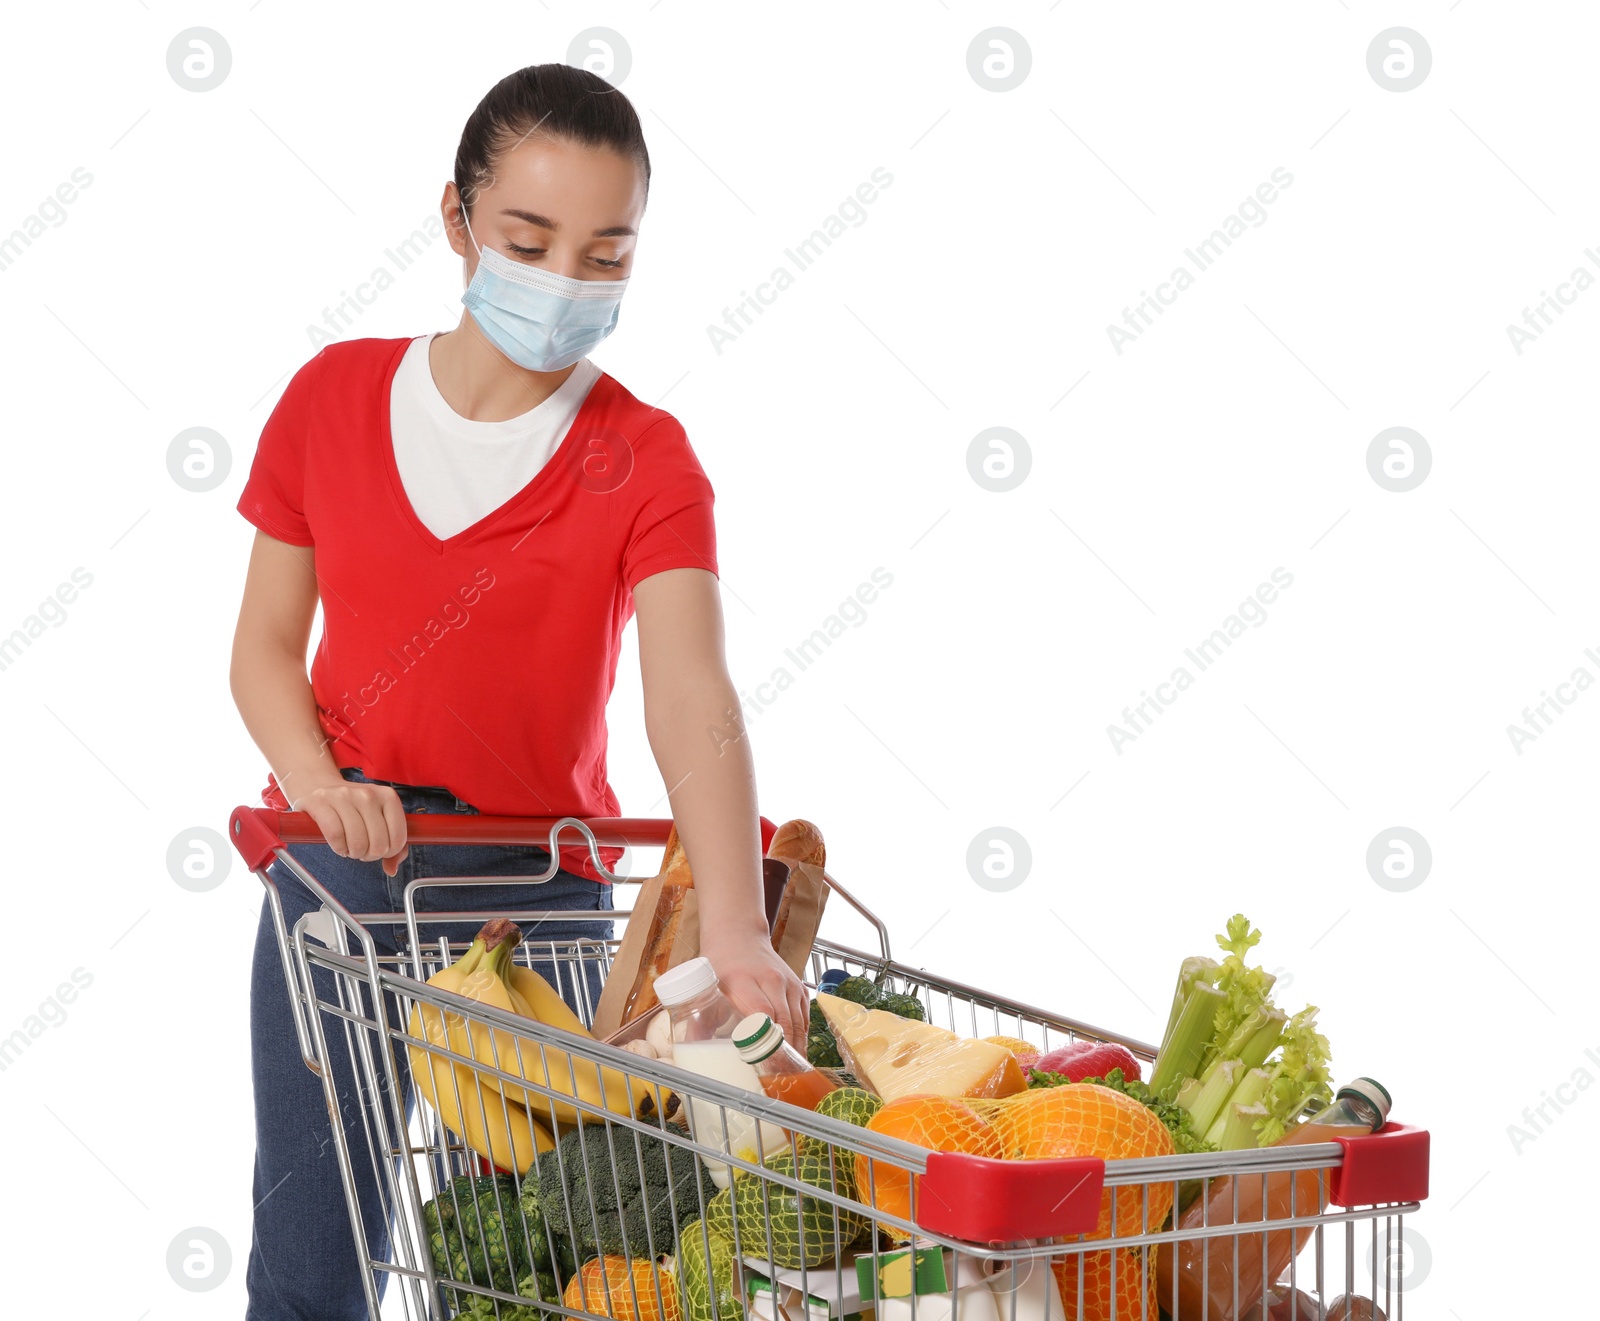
(619, 1217)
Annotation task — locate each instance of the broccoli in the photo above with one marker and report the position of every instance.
(906, 1006)
(539, 1286)
(821, 1049)
(475, 1231)
(481, 1232)
(551, 1254)
(860, 990)
(621, 1189)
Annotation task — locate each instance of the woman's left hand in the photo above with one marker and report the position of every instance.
(759, 982)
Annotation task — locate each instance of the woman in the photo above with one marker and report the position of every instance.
(479, 512)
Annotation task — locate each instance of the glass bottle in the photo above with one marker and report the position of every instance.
(785, 1074)
(1222, 1278)
(703, 1019)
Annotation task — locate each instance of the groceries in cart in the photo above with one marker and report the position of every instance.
(666, 931)
(1204, 1272)
(930, 1284)
(1234, 1070)
(672, 1159)
(672, 1231)
(702, 1021)
(503, 1121)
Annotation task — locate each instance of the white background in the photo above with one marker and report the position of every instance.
(1166, 483)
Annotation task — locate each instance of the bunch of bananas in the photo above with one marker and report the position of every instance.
(502, 1121)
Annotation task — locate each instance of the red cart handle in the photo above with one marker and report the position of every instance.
(258, 832)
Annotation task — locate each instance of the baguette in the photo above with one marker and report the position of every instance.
(665, 925)
(798, 841)
(792, 842)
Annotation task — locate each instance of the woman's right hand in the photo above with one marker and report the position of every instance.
(364, 821)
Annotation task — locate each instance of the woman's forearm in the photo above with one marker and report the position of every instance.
(696, 730)
(268, 670)
(274, 698)
(703, 752)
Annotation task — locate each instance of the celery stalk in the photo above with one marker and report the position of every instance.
(1213, 1134)
(1299, 1079)
(1263, 1020)
(1239, 1133)
(1251, 1088)
(1248, 988)
(1186, 1043)
(1255, 1051)
(1208, 1105)
(1188, 1094)
(1195, 970)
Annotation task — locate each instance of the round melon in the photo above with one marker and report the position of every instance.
(1026, 1052)
(854, 1105)
(709, 1283)
(805, 1231)
(939, 1123)
(1084, 1119)
(719, 1214)
(851, 1105)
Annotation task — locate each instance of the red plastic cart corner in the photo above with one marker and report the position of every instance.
(1390, 1165)
(1003, 1201)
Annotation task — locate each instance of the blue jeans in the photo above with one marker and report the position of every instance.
(303, 1260)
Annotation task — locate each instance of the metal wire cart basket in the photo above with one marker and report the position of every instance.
(554, 1175)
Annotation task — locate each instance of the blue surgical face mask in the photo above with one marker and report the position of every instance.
(538, 319)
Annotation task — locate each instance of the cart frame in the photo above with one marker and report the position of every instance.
(987, 1215)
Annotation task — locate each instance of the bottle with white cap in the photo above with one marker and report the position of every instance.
(1214, 1276)
(695, 1003)
(703, 1020)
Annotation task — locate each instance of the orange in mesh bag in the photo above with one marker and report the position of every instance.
(1082, 1119)
(939, 1123)
(1133, 1279)
(624, 1289)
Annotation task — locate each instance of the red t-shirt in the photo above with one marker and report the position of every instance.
(481, 663)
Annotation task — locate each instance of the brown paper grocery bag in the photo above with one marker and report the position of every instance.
(799, 844)
(664, 931)
(687, 945)
(662, 912)
(801, 916)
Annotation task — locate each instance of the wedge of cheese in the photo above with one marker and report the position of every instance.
(897, 1056)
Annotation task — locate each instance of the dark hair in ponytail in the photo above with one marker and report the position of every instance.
(555, 100)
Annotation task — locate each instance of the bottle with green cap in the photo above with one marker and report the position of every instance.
(785, 1074)
(1225, 1277)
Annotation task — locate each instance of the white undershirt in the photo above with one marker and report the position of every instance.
(456, 471)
